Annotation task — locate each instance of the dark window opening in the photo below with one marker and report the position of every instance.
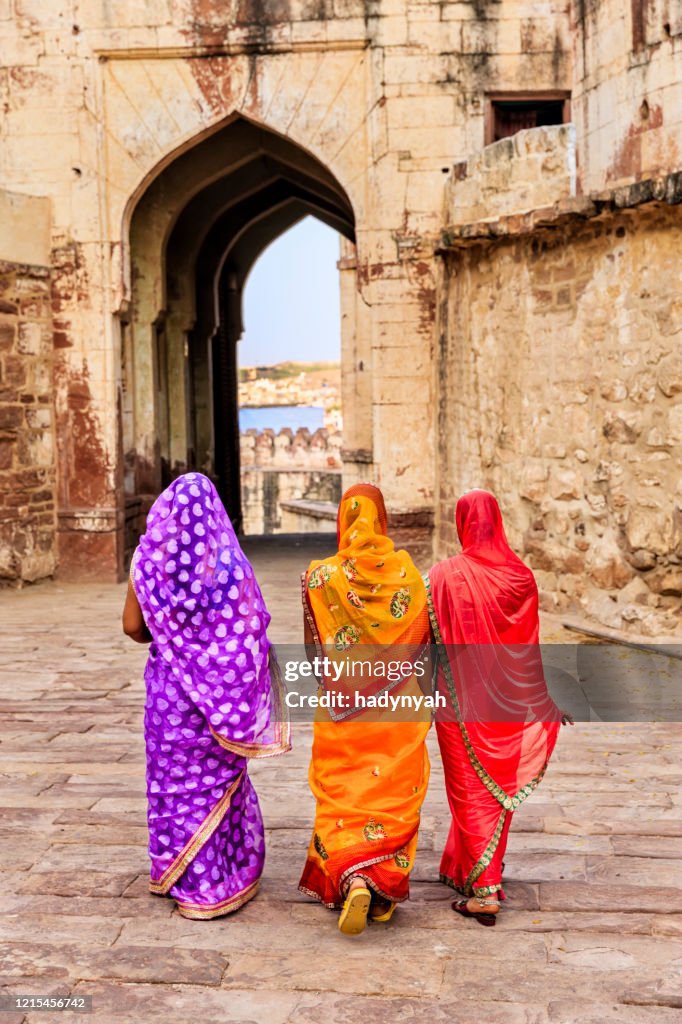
(508, 115)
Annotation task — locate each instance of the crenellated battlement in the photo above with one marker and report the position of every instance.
(291, 449)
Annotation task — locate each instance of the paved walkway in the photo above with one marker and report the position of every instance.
(587, 936)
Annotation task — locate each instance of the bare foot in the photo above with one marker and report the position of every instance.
(380, 906)
(483, 905)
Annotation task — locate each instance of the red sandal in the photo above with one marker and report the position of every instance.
(487, 920)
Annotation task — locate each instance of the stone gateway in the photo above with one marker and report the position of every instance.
(506, 181)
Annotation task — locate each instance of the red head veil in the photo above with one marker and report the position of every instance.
(499, 603)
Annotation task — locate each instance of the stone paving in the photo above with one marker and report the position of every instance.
(592, 931)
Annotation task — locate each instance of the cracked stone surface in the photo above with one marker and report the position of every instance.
(592, 931)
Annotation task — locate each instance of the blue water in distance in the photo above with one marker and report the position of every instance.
(276, 417)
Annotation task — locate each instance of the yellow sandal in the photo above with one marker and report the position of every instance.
(355, 909)
(386, 916)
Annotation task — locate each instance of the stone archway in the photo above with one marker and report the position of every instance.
(163, 138)
(195, 233)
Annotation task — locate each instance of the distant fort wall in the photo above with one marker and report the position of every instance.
(291, 480)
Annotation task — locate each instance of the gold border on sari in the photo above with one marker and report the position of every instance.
(337, 906)
(309, 617)
(162, 885)
(485, 858)
(203, 912)
(316, 896)
(346, 877)
(469, 887)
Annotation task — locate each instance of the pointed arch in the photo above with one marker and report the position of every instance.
(196, 226)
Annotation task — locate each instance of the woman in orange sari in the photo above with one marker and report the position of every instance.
(366, 605)
(503, 724)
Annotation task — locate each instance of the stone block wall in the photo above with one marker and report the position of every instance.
(27, 439)
(560, 371)
(626, 97)
(309, 516)
(99, 105)
(264, 490)
(533, 169)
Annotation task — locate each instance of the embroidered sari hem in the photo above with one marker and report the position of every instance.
(484, 860)
(160, 886)
(509, 803)
(339, 906)
(356, 869)
(381, 892)
(201, 912)
(282, 741)
(316, 896)
(482, 890)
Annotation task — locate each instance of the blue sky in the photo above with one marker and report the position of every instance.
(291, 299)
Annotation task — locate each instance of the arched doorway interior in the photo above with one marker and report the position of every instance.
(195, 233)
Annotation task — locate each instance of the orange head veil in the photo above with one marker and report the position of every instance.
(367, 592)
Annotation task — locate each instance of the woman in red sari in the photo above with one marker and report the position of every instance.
(501, 725)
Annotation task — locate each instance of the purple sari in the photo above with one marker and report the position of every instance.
(213, 701)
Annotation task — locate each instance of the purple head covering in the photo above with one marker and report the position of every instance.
(202, 605)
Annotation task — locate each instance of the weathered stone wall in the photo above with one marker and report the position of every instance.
(561, 391)
(24, 229)
(377, 99)
(28, 548)
(27, 442)
(626, 90)
(531, 170)
(265, 490)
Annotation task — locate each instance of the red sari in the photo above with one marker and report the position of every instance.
(502, 727)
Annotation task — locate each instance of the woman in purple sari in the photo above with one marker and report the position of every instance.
(213, 699)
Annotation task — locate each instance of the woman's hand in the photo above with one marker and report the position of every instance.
(134, 625)
(566, 718)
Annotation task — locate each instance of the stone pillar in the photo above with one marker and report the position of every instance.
(225, 388)
(401, 295)
(179, 321)
(178, 369)
(27, 458)
(356, 373)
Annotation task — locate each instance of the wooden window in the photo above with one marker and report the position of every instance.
(509, 113)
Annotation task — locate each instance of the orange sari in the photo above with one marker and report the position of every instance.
(369, 768)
